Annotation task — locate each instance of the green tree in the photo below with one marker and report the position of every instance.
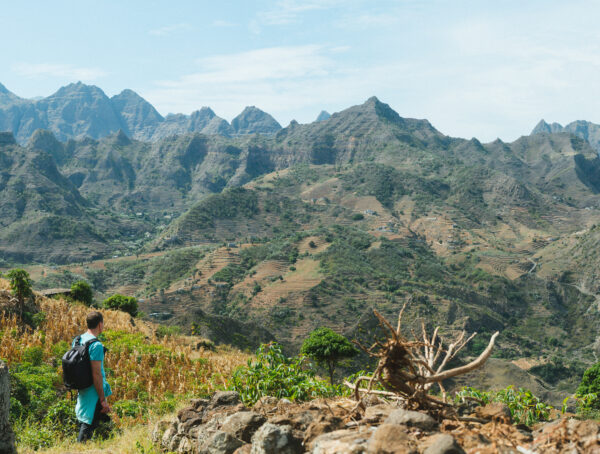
(327, 348)
(82, 291)
(122, 303)
(590, 385)
(20, 284)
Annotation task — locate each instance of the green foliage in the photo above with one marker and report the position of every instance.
(82, 291)
(167, 331)
(590, 382)
(34, 387)
(327, 348)
(122, 303)
(525, 408)
(33, 355)
(274, 374)
(130, 408)
(20, 284)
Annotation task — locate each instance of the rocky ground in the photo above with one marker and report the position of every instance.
(223, 425)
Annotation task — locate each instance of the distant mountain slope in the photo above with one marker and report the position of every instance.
(584, 129)
(77, 111)
(41, 211)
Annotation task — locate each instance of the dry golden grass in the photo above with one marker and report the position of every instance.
(128, 442)
(144, 365)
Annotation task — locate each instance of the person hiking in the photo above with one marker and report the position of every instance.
(92, 407)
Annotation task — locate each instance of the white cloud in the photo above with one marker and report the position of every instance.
(222, 23)
(63, 71)
(169, 29)
(288, 11)
(288, 82)
(269, 64)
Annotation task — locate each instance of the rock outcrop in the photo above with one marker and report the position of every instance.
(7, 437)
(223, 425)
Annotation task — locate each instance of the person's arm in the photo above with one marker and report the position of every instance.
(99, 385)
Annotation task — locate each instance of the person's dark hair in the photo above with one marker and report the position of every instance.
(93, 319)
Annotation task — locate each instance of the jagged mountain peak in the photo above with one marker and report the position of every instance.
(77, 88)
(254, 120)
(204, 112)
(43, 139)
(324, 115)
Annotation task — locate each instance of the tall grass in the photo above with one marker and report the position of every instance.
(147, 373)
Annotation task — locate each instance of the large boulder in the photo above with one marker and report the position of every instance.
(411, 418)
(7, 437)
(220, 443)
(243, 425)
(272, 439)
(346, 441)
(391, 439)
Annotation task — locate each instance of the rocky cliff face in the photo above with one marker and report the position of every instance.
(7, 437)
(586, 130)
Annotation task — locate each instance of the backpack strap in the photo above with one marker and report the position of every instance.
(90, 342)
(77, 340)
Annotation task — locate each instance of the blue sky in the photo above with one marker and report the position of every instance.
(473, 68)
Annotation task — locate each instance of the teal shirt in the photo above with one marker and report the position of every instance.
(88, 398)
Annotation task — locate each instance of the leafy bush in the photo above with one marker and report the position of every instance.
(167, 331)
(274, 374)
(590, 382)
(327, 348)
(82, 291)
(33, 355)
(61, 417)
(122, 303)
(525, 408)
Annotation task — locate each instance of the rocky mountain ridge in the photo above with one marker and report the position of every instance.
(77, 111)
(585, 129)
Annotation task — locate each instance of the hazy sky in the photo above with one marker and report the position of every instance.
(473, 68)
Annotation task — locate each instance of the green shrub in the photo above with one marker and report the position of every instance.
(274, 374)
(525, 408)
(167, 331)
(357, 217)
(122, 303)
(82, 291)
(61, 417)
(590, 382)
(33, 355)
(131, 408)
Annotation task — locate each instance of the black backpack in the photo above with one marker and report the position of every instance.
(77, 368)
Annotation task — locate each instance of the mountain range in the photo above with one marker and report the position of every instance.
(79, 110)
(317, 224)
